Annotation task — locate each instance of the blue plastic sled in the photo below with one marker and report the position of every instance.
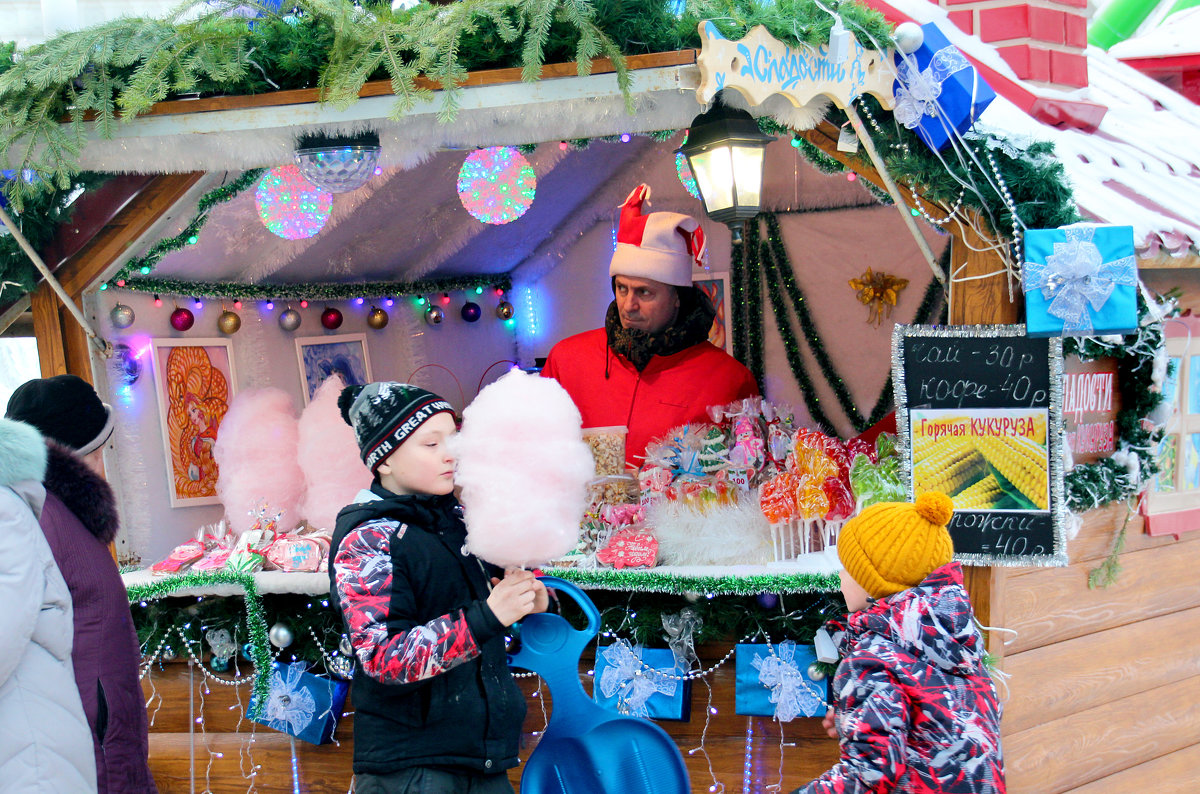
(587, 749)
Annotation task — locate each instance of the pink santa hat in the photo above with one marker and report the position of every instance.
(661, 246)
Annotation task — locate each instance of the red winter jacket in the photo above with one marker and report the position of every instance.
(671, 391)
(916, 710)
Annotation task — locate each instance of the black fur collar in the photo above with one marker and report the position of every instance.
(691, 327)
(86, 494)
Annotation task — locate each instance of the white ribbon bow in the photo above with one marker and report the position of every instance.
(1076, 276)
(919, 90)
(631, 680)
(290, 707)
(791, 691)
(680, 630)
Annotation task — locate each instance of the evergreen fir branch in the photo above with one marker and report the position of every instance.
(540, 16)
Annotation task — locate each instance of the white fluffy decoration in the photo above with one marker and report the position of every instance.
(721, 535)
(524, 469)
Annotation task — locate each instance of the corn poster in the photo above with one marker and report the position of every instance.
(979, 411)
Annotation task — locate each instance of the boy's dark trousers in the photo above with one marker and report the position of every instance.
(421, 780)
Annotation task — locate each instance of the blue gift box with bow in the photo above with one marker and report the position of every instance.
(642, 682)
(773, 681)
(939, 94)
(301, 704)
(1080, 280)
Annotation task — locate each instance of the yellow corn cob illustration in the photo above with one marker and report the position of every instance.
(979, 495)
(949, 465)
(1018, 460)
(1039, 430)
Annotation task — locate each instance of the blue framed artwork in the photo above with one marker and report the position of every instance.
(322, 356)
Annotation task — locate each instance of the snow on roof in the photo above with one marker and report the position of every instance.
(1140, 167)
(1178, 34)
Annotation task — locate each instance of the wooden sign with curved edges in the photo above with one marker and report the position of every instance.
(758, 65)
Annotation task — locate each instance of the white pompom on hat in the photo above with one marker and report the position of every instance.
(661, 246)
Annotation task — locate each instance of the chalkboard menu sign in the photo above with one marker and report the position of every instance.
(979, 410)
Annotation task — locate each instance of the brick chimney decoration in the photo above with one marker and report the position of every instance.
(1042, 41)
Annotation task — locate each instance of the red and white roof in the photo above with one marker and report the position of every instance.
(1128, 144)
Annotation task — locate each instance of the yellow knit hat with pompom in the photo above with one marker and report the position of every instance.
(892, 546)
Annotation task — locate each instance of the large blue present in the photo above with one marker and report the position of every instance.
(774, 681)
(1080, 280)
(643, 682)
(301, 704)
(939, 94)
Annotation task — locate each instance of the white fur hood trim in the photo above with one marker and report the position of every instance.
(22, 453)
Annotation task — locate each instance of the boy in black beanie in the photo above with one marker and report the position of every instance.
(436, 708)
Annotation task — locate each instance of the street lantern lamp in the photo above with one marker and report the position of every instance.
(724, 148)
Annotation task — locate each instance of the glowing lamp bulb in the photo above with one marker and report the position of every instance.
(157, 301)
(421, 301)
(358, 301)
(303, 304)
(625, 137)
(445, 298)
(270, 305)
(145, 270)
(850, 177)
(564, 145)
(388, 302)
(103, 286)
(120, 282)
(479, 290)
(237, 304)
(196, 303)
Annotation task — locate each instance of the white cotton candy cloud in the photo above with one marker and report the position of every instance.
(524, 468)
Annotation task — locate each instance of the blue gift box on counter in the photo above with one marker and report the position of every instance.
(642, 682)
(1080, 280)
(301, 704)
(938, 91)
(773, 681)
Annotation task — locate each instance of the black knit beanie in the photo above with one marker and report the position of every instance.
(64, 408)
(385, 413)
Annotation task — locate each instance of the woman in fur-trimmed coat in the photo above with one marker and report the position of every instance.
(80, 520)
(44, 738)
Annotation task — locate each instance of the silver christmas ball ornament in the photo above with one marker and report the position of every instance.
(816, 672)
(505, 310)
(345, 647)
(341, 666)
(121, 315)
(289, 320)
(280, 636)
(434, 315)
(908, 37)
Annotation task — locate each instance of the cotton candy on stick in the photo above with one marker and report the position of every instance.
(524, 469)
(328, 455)
(256, 456)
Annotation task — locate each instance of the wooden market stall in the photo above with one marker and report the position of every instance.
(1103, 682)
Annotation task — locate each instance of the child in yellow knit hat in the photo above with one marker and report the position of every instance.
(915, 710)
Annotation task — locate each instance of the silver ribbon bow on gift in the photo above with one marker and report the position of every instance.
(681, 630)
(630, 680)
(791, 691)
(221, 643)
(1076, 276)
(919, 89)
(290, 707)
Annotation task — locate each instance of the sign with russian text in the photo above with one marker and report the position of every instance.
(758, 66)
(1091, 401)
(979, 409)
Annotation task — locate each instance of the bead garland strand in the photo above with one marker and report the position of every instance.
(690, 675)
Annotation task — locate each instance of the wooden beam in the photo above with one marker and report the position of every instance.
(88, 265)
(301, 96)
(979, 287)
(47, 327)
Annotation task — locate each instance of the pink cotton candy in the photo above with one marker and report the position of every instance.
(524, 468)
(328, 456)
(256, 454)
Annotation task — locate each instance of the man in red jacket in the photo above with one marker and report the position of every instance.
(651, 367)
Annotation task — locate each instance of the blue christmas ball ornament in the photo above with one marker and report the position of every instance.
(219, 664)
(248, 652)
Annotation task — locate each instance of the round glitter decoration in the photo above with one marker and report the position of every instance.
(686, 177)
(289, 205)
(496, 184)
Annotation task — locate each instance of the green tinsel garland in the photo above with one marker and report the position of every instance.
(1092, 485)
(224, 290)
(190, 234)
(649, 581)
(255, 623)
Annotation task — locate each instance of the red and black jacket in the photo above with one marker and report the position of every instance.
(431, 680)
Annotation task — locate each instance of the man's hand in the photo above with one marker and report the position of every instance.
(515, 596)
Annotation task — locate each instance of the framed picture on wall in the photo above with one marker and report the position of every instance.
(716, 286)
(194, 381)
(322, 356)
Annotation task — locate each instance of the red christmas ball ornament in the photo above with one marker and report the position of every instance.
(331, 318)
(182, 319)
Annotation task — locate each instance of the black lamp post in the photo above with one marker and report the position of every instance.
(724, 148)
